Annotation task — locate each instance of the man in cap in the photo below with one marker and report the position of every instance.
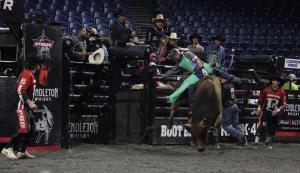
(120, 30)
(215, 47)
(271, 103)
(195, 46)
(216, 52)
(25, 89)
(290, 84)
(156, 33)
(76, 47)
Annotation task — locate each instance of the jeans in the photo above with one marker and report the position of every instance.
(230, 121)
(224, 74)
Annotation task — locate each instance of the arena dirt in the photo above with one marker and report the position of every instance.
(87, 158)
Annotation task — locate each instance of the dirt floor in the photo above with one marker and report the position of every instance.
(131, 158)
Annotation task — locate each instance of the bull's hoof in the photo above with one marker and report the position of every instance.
(200, 149)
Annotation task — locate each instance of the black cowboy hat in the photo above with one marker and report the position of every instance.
(218, 37)
(277, 78)
(195, 35)
(119, 12)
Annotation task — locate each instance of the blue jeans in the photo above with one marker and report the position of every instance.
(230, 121)
(224, 74)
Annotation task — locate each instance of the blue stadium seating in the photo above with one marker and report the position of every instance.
(268, 27)
(72, 13)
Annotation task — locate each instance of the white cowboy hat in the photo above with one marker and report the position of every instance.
(97, 57)
(292, 76)
(159, 17)
(173, 36)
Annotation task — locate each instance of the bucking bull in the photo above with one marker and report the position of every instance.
(206, 110)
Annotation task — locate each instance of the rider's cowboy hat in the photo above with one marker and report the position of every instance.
(277, 78)
(173, 36)
(97, 57)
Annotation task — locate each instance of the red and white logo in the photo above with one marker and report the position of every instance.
(43, 45)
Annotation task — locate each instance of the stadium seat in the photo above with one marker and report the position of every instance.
(246, 44)
(85, 14)
(74, 19)
(231, 44)
(288, 45)
(59, 13)
(88, 25)
(74, 25)
(268, 51)
(252, 51)
(87, 20)
(284, 52)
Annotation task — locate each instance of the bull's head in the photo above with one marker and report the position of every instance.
(199, 132)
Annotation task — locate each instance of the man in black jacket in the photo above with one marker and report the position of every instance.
(230, 119)
(120, 30)
(156, 32)
(76, 47)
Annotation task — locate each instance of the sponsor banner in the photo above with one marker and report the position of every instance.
(248, 125)
(175, 135)
(178, 135)
(86, 128)
(12, 10)
(45, 42)
(289, 121)
(292, 63)
(90, 126)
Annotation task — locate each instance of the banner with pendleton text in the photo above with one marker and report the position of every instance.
(289, 120)
(46, 43)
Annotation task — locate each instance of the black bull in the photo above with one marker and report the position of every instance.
(206, 110)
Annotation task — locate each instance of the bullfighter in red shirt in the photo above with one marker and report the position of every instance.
(271, 102)
(26, 84)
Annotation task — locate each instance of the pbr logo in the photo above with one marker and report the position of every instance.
(43, 45)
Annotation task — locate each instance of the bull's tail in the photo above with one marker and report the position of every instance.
(218, 110)
(218, 99)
